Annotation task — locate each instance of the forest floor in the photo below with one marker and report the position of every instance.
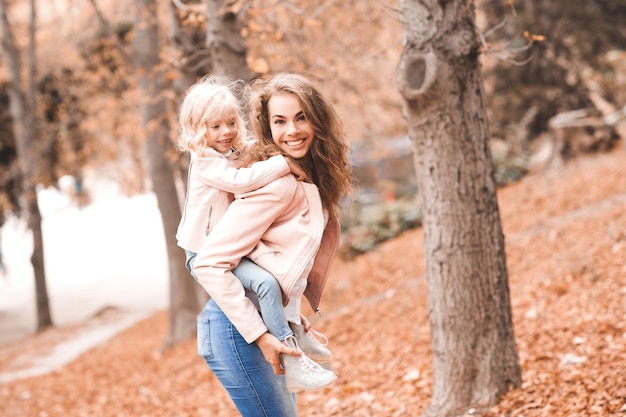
(565, 233)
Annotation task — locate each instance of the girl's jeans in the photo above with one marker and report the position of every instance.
(241, 368)
(264, 285)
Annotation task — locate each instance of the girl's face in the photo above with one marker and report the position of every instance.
(291, 131)
(221, 131)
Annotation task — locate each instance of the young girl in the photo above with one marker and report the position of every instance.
(212, 130)
(292, 231)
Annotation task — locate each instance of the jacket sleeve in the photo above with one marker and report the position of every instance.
(220, 173)
(236, 235)
(323, 262)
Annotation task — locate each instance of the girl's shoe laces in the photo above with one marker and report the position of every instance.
(306, 362)
(317, 336)
(309, 363)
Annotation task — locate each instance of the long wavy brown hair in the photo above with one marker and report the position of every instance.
(328, 164)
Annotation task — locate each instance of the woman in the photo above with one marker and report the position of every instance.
(287, 227)
(212, 130)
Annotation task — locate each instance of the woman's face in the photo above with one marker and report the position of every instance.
(291, 131)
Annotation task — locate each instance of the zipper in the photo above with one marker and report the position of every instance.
(208, 224)
(263, 255)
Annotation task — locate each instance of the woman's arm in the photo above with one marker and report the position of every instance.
(238, 232)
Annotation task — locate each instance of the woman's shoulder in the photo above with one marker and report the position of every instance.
(284, 185)
(281, 189)
(279, 193)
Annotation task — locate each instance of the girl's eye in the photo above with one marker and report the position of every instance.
(301, 118)
(279, 122)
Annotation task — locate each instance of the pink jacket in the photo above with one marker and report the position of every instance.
(281, 227)
(212, 181)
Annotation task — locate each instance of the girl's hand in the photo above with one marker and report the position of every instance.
(272, 348)
(296, 170)
(305, 322)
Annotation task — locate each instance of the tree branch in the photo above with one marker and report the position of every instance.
(108, 31)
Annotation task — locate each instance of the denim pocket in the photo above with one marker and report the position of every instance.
(190, 259)
(204, 337)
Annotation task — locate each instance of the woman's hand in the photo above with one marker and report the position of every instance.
(272, 348)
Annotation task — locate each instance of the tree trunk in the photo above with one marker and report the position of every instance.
(187, 39)
(23, 113)
(44, 317)
(193, 63)
(474, 354)
(184, 305)
(226, 46)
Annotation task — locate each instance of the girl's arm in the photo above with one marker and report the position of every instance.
(220, 173)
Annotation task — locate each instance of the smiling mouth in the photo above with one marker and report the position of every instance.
(295, 142)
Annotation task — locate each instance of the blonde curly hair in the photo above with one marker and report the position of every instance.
(206, 101)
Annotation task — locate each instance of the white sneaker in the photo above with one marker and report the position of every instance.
(311, 344)
(302, 373)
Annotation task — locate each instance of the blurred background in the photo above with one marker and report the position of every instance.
(555, 84)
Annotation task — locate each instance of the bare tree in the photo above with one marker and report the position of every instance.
(184, 304)
(222, 51)
(474, 354)
(186, 37)
(23, 108)
(226, 46)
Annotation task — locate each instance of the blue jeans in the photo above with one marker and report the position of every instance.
(270, 297)
(241, 368)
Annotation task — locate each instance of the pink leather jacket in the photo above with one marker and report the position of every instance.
(212, 181)
(281, 227)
